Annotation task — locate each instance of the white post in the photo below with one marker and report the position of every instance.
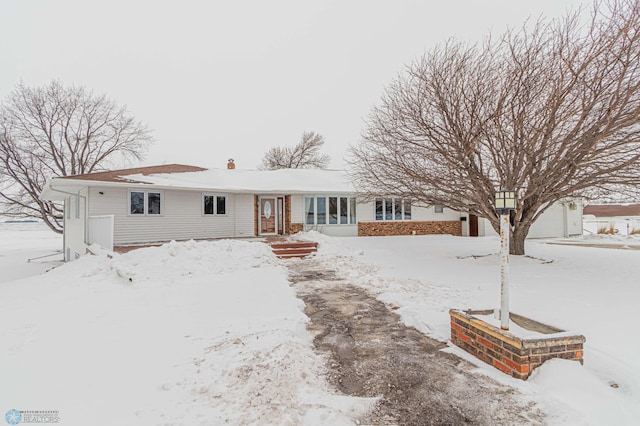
(504, 271)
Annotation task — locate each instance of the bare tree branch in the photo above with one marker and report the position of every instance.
(305, 155)
(550, 111)
(60, 131)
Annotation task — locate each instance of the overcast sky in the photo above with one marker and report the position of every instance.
(218, 80)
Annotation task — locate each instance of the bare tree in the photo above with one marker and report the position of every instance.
(60, 131)
(305, 155)
(549, 111)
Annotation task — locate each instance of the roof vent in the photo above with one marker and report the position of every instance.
(231, 165)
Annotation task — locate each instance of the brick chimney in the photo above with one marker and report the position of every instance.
(230, 164)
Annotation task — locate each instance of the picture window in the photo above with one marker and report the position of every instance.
(330, 210)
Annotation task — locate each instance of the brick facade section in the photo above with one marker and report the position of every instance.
(294, 228)
(506, 352)
(287, 215)
(381, 228)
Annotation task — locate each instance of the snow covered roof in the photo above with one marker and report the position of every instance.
(612, 210)
(237, 180)
(120, 175)
(286, 181)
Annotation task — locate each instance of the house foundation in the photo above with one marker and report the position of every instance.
(513, 355)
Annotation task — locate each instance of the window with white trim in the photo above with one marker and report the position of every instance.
(392, 209)
(145, 202)
(214, 204)
(438, 208)
(330, 210)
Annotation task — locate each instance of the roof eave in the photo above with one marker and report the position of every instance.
(57, 189)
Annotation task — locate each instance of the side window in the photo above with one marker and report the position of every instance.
(145, 203)
(398, 209)
(213, 204)
(221, 205)
(136, 202)
(153, 203)
(392, 209)
(388, 209)
(438, 209)
(407, 209)
(344, 211)
(322, 211)
(379, 209)
(208, 204)
(333, 210)
(308, 208)
(352, 210)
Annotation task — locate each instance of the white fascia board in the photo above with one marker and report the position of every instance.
(57, 189)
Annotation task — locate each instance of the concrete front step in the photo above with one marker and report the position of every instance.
(293, 244)
(292, 249)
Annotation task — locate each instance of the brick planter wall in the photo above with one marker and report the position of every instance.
(508, 353)
(294, 228)
(371, 229)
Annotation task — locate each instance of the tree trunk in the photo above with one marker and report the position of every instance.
(516, 242)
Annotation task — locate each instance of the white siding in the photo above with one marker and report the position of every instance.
(75, 227)
(549, 224)
(181, 217)
(100, 231)
(297, 209)
(366, 211)
(428, 214)
(465, 224)
(244, 214)
(556, 222)
(485, 229)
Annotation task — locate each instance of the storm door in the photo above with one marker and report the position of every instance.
(268, 216)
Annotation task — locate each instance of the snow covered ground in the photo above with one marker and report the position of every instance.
(21, 241)
(588, 290)
(187, 333)
(211, 332)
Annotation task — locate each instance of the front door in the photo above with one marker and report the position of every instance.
(268, 216)
(473, 225)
